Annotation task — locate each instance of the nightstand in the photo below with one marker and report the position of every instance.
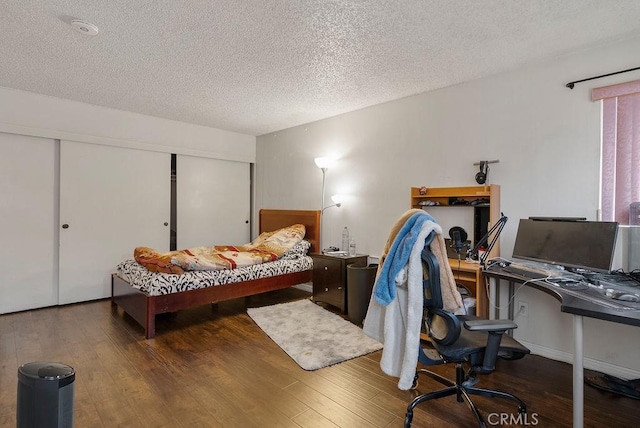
(330, 278)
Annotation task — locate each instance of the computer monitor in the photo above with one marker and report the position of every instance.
(586, 245)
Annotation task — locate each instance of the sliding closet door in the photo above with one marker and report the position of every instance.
(28, 191)
(213, 198)
(111, 201)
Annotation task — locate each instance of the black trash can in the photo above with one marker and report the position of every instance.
(45, 395)
(360, 281)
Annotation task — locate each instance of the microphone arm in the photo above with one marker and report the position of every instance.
(497, 228)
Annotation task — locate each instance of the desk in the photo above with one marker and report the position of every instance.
(470, 275)
(579, 306)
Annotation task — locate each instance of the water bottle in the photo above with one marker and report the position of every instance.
(345, 239)
(352, 247)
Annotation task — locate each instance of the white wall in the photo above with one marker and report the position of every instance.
(37, 115)
(546, 137)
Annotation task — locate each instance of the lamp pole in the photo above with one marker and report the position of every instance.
(324, 173)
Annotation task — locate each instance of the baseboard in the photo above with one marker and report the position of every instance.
(307, 286)
(589, 363)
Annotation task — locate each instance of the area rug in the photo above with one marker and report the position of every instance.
(311, 335)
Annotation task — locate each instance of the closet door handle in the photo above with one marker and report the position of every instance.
(65, 226)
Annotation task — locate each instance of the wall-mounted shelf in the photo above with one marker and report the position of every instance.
(484, 200)
(445, 195)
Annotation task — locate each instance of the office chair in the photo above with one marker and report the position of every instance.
(477, 346)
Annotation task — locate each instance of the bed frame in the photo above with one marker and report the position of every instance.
(144, 308)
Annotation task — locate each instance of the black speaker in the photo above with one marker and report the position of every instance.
(481, 219)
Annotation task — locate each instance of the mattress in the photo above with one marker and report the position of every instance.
(156, 284)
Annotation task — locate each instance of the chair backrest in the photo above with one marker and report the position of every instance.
(441, 326)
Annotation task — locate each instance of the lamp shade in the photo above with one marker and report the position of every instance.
(337, 199)
(324, 162)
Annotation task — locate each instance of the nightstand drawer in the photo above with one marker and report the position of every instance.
(330, 278)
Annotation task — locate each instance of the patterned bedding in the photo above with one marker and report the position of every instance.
(156, 283)
(267, 247)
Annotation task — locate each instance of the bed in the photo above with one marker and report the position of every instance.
(143, 306)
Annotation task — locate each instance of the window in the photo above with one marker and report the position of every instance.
(620, 149)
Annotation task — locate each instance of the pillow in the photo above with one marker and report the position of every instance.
(279, 241)
(299, 250)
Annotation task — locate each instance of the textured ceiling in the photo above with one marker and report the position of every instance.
(257, 66)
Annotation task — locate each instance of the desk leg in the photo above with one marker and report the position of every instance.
(494, 297)
(578, 372)
(482, 289)
(510, 302)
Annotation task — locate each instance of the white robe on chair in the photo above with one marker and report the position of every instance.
(398, 324)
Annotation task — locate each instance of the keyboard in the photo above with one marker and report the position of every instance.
(526, 271)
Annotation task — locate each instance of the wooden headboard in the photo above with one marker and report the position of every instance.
(271, 220)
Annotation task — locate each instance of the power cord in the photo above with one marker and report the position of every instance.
(515, 293)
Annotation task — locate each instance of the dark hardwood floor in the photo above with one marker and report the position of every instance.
(217, 368)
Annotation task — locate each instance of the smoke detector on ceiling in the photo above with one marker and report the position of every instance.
(84, 27)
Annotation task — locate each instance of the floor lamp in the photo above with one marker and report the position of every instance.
(324, 164)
